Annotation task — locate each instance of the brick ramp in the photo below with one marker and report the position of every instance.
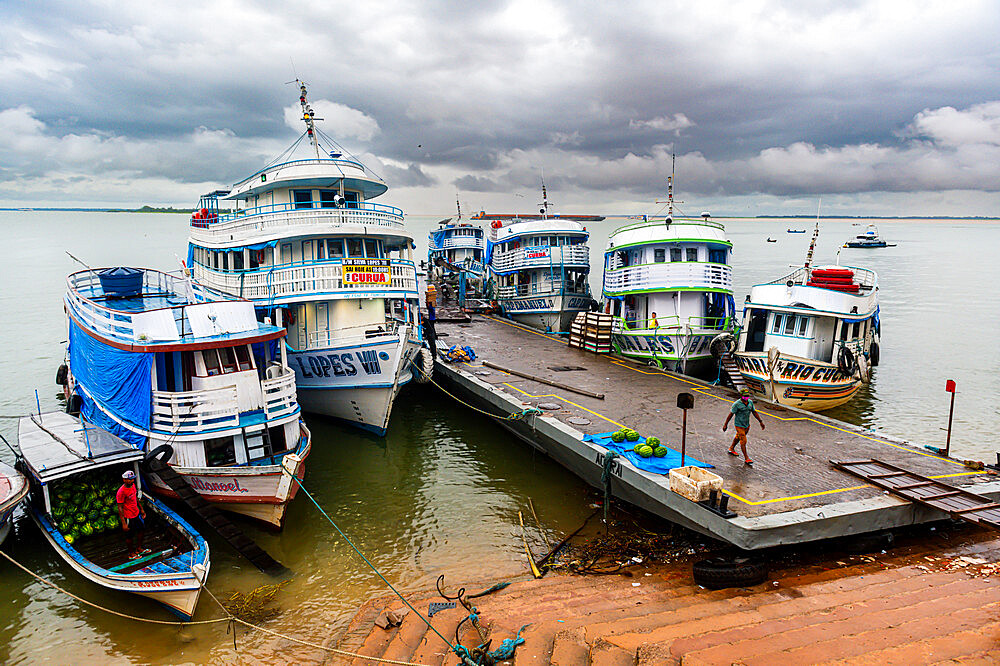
(864, 612)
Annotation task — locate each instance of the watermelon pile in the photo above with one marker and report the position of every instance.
(85, 504)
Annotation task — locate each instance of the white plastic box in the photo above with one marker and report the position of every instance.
(694, 483)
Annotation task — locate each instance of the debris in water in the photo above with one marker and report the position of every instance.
(254, 606)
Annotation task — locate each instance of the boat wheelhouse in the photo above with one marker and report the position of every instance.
(455, 260)
(75, 470)
(161, 361)
(307, 245)
(868, 239)
(13, 488)
(811, 338)
(668, 282)
(539, 266)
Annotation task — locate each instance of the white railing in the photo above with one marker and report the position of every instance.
(459, 242)
(320, 277)
(537, 289)
(279, 394)
(669, 275)
(541, 257)
(257, 221)
(191, 412)
(348, 336)
(864, 277)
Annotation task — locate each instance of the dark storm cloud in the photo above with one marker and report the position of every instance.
(772, 98)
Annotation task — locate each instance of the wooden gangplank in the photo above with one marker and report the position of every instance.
(913, 487)
(243, 544)
(735, 376)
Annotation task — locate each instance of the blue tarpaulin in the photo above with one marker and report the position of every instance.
(656, 465)
(112, 381)
(438, 237)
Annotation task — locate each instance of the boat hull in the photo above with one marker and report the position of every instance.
(261, 492)
(178, 592)
(797, 382)
(356, 383)
(687, 353)
(553, 312)
(13, 489)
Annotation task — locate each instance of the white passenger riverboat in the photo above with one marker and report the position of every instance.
(455, 259)
(13, 488)
(539, 266)
(160, 361)
(307, 245)
(668, 283)
(75, 471)
(811, 338)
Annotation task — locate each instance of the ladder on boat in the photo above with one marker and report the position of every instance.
(910, 486)
(728, 362)
(243, 544)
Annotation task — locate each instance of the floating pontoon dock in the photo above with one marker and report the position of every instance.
(791, 494)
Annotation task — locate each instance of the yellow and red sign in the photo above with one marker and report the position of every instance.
(367, 271)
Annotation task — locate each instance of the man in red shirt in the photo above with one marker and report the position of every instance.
(131, 514)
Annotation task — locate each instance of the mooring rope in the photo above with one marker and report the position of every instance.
(513, 416)
(229, 619)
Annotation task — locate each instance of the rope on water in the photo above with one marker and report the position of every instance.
(230, 619)
(513, 416)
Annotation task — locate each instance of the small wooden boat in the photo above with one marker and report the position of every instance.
(772, 240)
(74, 471)
(795, 231)
(13, 488)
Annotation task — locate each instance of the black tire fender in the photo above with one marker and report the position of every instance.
(158, 456)
(61, 375)
(846, 362)
(722, 344)
(717, 573)
(873, 354)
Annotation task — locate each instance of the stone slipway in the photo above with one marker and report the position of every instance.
(791, 495)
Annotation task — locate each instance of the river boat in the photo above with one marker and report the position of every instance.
(668, 283)
(810, 338)
(75, 471)
(539, 266)
(307, 245)
(455, 260)
(868, 239)
(795, 231)
(13, 488)
(164, 362)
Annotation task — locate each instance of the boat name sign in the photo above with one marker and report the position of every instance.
(538, 252)
(366, 271)
(215, 487)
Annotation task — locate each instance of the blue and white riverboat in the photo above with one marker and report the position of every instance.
(307, 245)
(455, 258)
(13, 488)
(668, 282)
(75, 470)
(162, 362)
(539, 266)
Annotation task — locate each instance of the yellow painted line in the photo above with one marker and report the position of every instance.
(559, 397)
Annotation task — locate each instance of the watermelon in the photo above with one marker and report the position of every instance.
(69, 538)
(618, 437)
(660, 451)
(653, 441)
(65, 525)
(631, 435)
(87, 529)
(112, 523)
(645, 451)
(80, 518)
(58, 511)
(637, 447)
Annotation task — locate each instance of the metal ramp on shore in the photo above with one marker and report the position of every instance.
(913, 487)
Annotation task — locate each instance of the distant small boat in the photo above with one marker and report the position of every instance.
(795, 231)
(772, 240)
(868, 239)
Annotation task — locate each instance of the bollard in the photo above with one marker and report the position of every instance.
(949, 386)
(685, 401)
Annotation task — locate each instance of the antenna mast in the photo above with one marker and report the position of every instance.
(545, 201)
(308, 116)
(458, 205)
(812, 243)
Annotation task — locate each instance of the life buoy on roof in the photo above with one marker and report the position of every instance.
(496, 224)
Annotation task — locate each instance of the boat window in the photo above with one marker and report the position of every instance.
(321, 249)
(228, 359)
(302, 198)
(371, 248)
(336, 247)
(238, 260)
(659, 255)
(212, 362)
(843, 330)
(243, 357)
(803, 325)
(286, 253)
(326, 198)
(790, 324)
(717, 256)
(225, 261)
(254, 262)
(351, 198)
(355, 247)
(776, 326)
(220, 451)
(857, 329)
(692, 254)
(675, 254)
(277, 437)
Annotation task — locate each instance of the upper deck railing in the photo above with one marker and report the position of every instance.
(541, 257)
(668, 275)
(677, 222)
(319, 277)
(167, 308)
(865, 278)
(273, 216)
(456, 243)
(323, 161)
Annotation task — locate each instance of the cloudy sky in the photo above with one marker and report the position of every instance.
(873, 107)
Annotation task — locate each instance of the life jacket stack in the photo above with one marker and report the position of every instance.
(835, 278)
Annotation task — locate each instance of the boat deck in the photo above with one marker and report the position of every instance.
(141, 302)
(790, 494)
(109, 549)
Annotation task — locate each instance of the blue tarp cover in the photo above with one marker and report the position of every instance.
(114, 381)
(656, 465)
(438, 237)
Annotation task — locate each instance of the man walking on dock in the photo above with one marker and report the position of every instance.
(742, 409)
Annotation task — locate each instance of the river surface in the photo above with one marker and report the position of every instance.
(441, 492)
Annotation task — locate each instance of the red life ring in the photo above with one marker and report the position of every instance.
(289, 317)
(260, 256)
(497, 224)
